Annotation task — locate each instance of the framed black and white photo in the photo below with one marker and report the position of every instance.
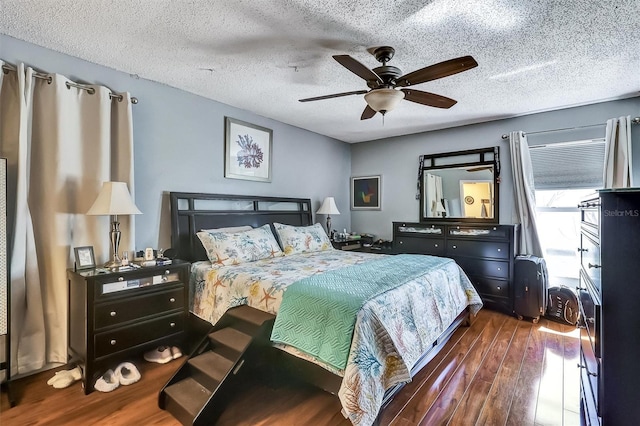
(247, 153)
(365, 193)
(85, 258)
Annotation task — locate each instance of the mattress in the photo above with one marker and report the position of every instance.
(391, 332)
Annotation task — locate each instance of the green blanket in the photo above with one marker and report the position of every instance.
(318, 313)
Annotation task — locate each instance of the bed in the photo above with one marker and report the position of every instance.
(400, 321)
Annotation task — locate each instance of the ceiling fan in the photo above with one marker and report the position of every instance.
(383, 82)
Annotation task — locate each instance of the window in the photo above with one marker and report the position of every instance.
(564, 174)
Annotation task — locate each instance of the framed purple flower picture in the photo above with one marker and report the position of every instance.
(247, 152)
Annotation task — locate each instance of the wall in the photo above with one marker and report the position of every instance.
(179, 145)
(396, 159)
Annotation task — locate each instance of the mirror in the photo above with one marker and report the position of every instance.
(460, 186)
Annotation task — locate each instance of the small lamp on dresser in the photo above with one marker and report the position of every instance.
(328, 207)
(113, 200)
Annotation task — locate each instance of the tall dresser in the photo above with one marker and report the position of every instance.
(609, 295)
(484, 251)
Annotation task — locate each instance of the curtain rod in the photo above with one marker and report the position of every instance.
(6, 68)
(635, 120)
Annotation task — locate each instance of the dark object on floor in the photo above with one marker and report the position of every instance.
(530, 287)
(563, 305)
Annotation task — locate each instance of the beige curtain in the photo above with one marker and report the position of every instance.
(524, 194)
(617, 155)
(76, 140)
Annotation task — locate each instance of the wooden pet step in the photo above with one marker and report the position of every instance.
(229, 342)
(251, 315)
(210, 369)
(185, 399)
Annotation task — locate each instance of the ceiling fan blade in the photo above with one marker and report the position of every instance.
(357, 68)
(335, 95)
(367, 113)
(436, 71)
(426, 98)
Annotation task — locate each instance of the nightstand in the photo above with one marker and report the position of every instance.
(117, 315)
(346, 244)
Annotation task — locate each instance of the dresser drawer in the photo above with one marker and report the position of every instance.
(432, 246)
(590, 312)
(484, 268)
(110, 342)
(419, 229)
(117, 312)
(590, 259)
(475, 231)
(491, 249)
(590, 371)
(488, 286)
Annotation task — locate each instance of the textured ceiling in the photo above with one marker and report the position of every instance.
(262, 56)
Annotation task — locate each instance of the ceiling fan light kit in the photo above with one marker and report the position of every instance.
(383, 100)
(383, 80)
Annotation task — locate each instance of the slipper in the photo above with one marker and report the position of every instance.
(161, 355)
(127, 373)
(65, 378)
(176, 352)
(107, 382)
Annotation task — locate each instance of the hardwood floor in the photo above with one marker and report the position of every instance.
(499, 371)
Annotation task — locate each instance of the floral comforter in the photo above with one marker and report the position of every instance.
(388, 339)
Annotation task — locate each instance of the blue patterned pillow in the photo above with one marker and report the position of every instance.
(302, 239)
(233, 248)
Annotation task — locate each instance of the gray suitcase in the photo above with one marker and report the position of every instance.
(530, 287)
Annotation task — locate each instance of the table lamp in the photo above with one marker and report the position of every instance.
(328, 207)
(113, 200)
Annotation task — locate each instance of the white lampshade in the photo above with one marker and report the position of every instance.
(328, 207)
(383, 100)
(114, 199)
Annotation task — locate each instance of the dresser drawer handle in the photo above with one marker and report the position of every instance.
(401, 242)
(455, 247)
(112, 313)
(435, 245)
(498, 288)
(594, 266)
(113, 342)
(173, 324)
(580, 249)
(499, 268)
(120, 278)
(588, 372)
(167, 272)
(499, 250)
(172, 300)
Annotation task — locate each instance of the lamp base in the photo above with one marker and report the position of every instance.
(115, 263)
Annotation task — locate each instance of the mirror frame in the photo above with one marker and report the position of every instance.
(430, 162)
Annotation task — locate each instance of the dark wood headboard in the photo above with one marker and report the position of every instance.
(191, 212)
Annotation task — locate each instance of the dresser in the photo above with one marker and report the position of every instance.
(485, 252)
(609, 298)
(117, 315)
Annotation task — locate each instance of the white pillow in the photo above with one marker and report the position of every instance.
(302, 239)
(233, 248)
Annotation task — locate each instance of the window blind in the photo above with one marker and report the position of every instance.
(568, 165)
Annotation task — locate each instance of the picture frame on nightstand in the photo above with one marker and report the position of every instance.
(85, 259)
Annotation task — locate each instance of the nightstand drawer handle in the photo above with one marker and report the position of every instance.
(167, 272)
(113, 342)
(173, 299)
(499, 250)
(594, 266)
(173, 324)
(455, 247)
(435, 245)
(498, 288)
(112, 313)
(499, 269)
(120, 278)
